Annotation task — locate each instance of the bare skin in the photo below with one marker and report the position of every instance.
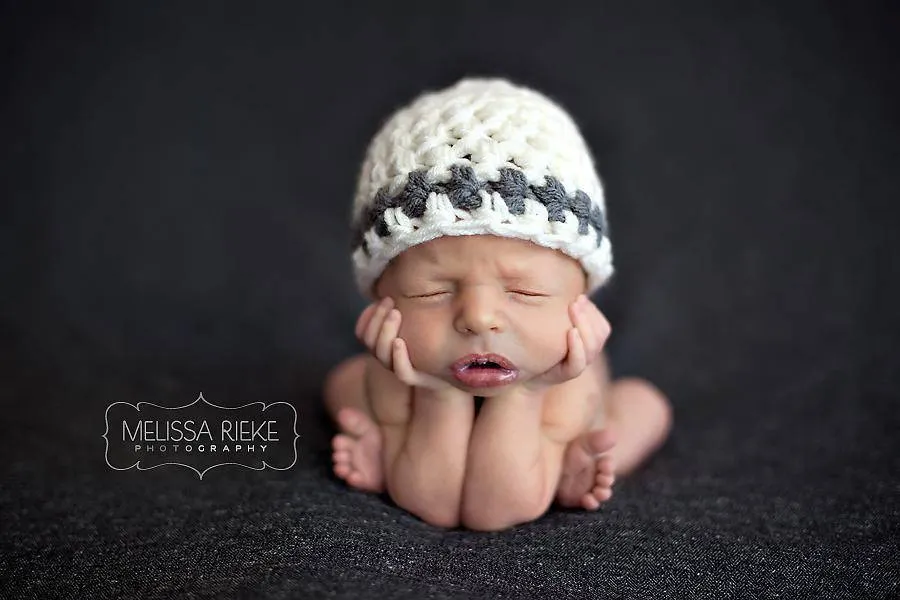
(559, 431)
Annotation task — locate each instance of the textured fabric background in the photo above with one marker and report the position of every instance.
(176, 182)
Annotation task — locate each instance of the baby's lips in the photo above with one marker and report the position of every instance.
(469, 359)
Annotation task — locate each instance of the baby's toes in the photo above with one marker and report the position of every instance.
(601, 494)
(604, 480)
(589, 502)
(605, 465)
(343, 469)
(357, 479)
(341, 443)
(342, 457)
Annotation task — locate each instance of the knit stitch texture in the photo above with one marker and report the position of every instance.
(484, 156)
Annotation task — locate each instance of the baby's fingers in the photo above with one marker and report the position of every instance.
(600, 325)
(403, 368)
(576, 360)
(362, 323)
(583, 320)
(370, 337)
(389, 331)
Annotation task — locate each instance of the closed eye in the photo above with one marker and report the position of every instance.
(430, 294)
(528, 293)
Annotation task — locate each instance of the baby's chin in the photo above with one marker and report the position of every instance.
(490, 391)
(484, 392)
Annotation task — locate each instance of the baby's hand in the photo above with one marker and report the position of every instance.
(378, 327)
(585, 342)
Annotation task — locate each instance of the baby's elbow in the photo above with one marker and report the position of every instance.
(436, 510)
(435, 514)
(493, 516)
(444, 519)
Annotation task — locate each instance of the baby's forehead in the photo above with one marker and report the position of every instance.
(505, 254)
(452, 248)
(484, 257)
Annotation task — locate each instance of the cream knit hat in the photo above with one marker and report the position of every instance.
(484, 156)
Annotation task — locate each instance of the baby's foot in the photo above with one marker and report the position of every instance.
(587, 477)
(357, 451)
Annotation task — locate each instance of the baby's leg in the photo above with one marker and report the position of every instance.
(577, 413)
(410, 443)
(631, 419)
(357, 452)
(640, 418)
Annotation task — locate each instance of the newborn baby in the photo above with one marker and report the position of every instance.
(480, 231)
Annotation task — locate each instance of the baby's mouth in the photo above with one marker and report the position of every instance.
(484, 370)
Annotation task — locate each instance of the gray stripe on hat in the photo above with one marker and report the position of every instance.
(463, 191)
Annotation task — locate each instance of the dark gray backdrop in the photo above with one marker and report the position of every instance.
(176, 180)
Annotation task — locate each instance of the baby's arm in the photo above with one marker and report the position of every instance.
(512, 467)
(425, 421)
(515, 456)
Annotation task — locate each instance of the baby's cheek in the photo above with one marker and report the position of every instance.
(548, 338)
(421, 339)
(410, 327)
(556, 346)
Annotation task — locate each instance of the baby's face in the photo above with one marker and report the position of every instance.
(481, 294)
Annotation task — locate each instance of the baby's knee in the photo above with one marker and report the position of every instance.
(644, 400)
(344, 382)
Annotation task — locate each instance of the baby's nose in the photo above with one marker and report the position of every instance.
(479, 312)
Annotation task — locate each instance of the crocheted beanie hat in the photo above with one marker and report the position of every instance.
(483, 156)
